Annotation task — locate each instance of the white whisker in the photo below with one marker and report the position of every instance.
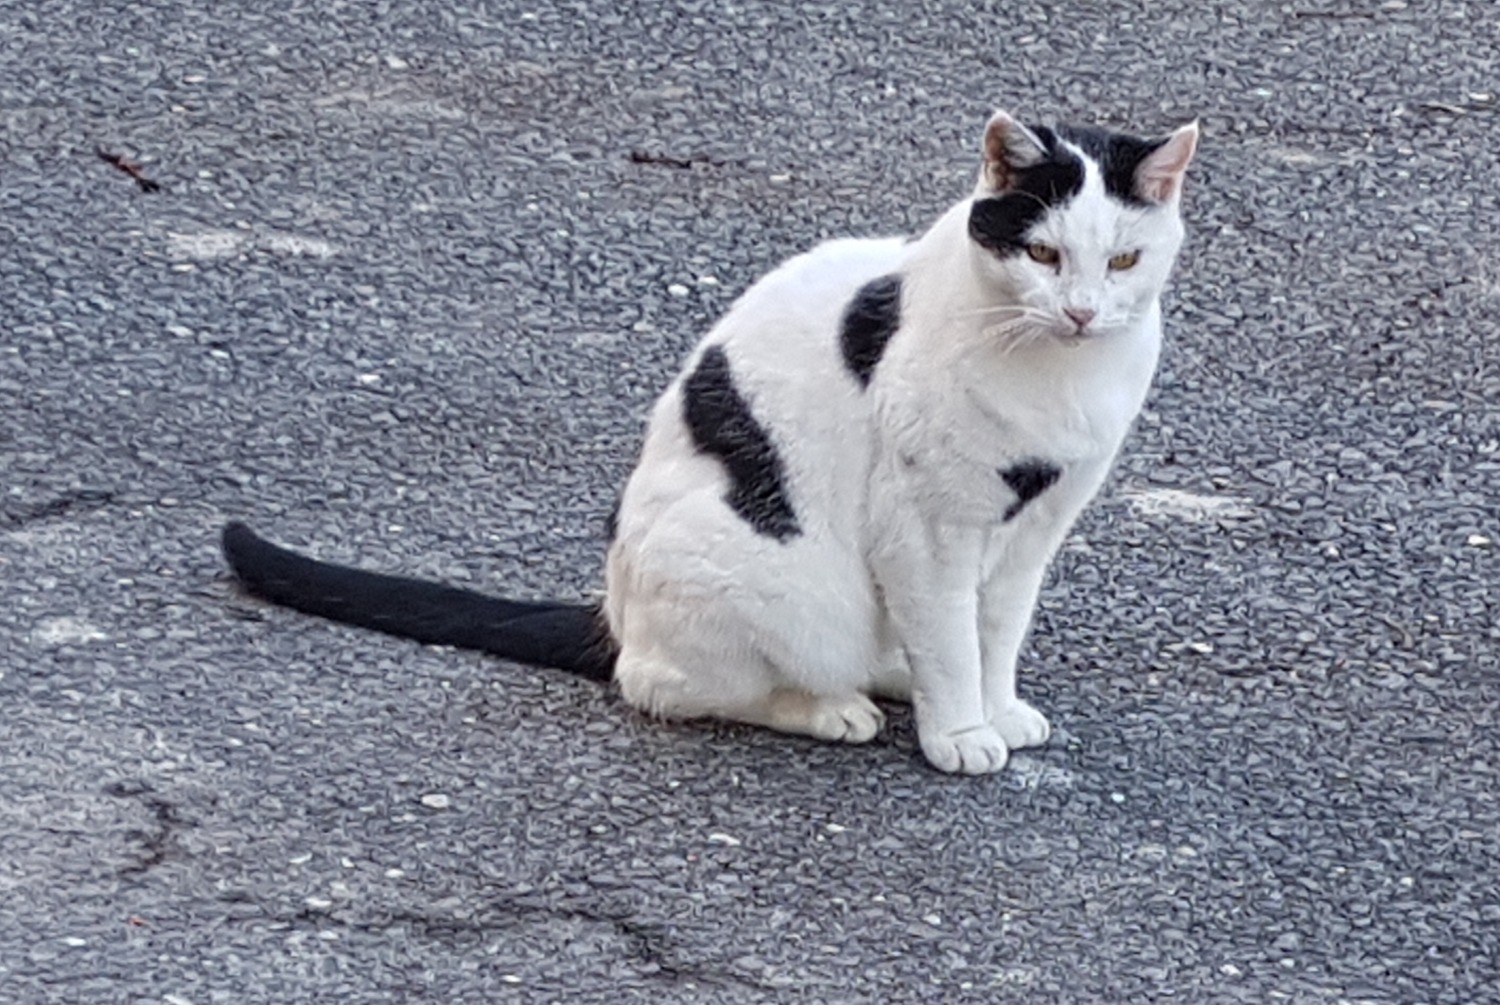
(1012, 333)
(995, 309)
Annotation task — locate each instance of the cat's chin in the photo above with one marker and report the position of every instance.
(1075, 339)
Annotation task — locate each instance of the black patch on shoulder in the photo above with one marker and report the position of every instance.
(1119, 157)
(721, 424)
(1000, 222)
(870, 320)
(1028, 479)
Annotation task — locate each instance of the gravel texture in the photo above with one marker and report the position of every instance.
(412, 278)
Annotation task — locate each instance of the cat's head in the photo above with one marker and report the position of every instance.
(1079, 226)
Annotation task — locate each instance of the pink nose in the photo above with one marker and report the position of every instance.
(1081, 316)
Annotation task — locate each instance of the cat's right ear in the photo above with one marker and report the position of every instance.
(1009, 148)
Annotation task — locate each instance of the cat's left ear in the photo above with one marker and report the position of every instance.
(1159, 176)
(1009, 148)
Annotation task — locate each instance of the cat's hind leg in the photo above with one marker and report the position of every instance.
(851, 718)
(741, 690)
(717, 619)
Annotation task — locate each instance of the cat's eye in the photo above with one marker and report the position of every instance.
(1044, 253)
(1124, 260)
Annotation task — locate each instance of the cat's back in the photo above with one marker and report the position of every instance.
(798, 306)
(783, 337)
(767, 406)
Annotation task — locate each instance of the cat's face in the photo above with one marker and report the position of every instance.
(1079, 227)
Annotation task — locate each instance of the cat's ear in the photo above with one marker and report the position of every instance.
(1159, 176)
(1009, 147)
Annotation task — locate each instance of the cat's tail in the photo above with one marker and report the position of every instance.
(572, 637)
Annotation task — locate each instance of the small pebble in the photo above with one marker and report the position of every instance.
(436, 801)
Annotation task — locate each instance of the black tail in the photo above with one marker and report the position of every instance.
(572, 637)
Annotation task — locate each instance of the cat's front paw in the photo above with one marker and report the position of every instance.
(1020, 725)
(978, 750)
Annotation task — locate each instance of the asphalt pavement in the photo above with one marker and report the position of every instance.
(409, 280)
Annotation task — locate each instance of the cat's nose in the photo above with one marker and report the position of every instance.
(1080, 316)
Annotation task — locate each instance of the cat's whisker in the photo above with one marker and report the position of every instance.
(1014, 333)
(997, 309)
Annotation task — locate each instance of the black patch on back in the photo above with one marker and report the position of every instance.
(1000, 222)
(1028, 479)
(870, 320)
(722, 425)
(1119, 158)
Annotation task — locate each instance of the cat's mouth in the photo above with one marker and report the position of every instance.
(1074, 336)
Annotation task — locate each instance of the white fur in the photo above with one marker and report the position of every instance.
(906, 581)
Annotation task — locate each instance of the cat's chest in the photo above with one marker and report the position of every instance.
(1004, 437)
(1070, 419)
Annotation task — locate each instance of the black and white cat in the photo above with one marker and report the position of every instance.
(857, 482)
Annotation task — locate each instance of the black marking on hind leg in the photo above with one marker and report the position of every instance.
(722, 425)
(870, 320)
(1028, 479)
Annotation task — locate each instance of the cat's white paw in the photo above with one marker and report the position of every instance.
(978, 750)
(853, 720)
(849, 718)
(1020, 725)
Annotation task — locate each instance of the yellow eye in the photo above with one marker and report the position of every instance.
(1044, 253)
(1124, 260)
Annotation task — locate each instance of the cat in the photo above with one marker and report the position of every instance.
(856, 484)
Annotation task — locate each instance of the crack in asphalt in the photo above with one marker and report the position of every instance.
(76, 502)
(649, 945)
(155, 843)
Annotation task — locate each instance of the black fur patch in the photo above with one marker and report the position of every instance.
(1119, 158)
(1027, 480)
(1000, 222)
(870, 320)
(612, 522)
(722, 425)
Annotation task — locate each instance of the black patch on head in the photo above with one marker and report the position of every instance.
(721, 424)
(1000, 222)
(870, 320)
(1119, 158)
(1028, 479)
